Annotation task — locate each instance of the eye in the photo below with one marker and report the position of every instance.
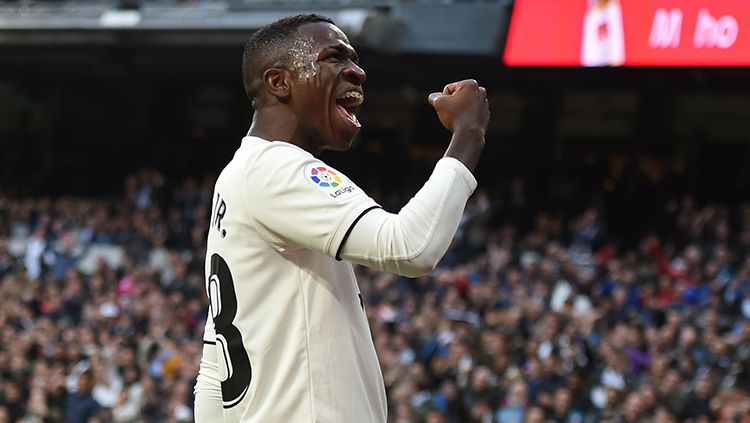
(334, 57)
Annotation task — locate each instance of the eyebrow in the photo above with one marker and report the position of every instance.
(346, 51)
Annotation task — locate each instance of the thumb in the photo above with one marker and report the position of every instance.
(433, 97)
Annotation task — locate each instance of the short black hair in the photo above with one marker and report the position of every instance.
(269, 45)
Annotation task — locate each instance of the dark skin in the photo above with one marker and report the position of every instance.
(303, 111)
(463, 109)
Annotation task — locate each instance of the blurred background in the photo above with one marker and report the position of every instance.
(600, 272)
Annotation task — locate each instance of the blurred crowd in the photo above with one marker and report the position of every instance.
(103, 304)
(534, 315)
(557, 324)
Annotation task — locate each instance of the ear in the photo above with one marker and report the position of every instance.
(278, 83)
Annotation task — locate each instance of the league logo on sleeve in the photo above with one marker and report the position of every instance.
(329, 181)
(325, 177)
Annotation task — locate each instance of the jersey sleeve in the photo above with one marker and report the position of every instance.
(207, 391)
(412, 242)
(298, 201)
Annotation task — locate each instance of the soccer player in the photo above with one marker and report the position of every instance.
(287, 339)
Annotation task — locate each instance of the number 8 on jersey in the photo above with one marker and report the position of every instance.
(235, 373)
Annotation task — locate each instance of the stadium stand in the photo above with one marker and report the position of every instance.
(533, 315)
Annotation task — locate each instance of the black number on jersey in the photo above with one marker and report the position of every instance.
(228, 338)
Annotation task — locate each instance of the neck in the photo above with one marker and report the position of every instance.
(279, 124)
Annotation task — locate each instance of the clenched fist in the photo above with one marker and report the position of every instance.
(462, 106)
(463, 109)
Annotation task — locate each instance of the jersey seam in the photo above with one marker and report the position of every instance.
(349, 231)
(340, 222)
(254, 158)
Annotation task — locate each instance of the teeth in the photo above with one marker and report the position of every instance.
(353, 94)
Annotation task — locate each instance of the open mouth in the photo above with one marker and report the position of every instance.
(348, 105)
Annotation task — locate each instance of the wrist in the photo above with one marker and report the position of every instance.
(469, 132)
(466, 151)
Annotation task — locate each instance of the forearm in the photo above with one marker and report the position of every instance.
(466, 146)
(412, 242)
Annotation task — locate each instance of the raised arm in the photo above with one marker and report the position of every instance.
(413, 241)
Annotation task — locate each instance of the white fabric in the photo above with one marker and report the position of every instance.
(298, 309)
(412, 242)
(279, 218)
(208, 400)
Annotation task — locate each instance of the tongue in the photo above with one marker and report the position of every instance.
(349, 116)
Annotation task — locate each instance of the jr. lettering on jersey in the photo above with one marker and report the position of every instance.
(220, 209)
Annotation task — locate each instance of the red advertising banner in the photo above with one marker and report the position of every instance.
(629, 33)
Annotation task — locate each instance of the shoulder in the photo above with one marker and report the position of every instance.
(259, 158)
(283, 154)
(263, 149)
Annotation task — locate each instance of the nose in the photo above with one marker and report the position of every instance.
(354, 74)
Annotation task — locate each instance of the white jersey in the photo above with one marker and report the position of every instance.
(291, 336)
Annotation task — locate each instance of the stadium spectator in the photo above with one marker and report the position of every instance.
(81, 405)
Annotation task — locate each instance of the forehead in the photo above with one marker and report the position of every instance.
(323, 34)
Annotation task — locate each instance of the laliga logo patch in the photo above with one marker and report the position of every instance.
(325, 177)
(328, 181)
